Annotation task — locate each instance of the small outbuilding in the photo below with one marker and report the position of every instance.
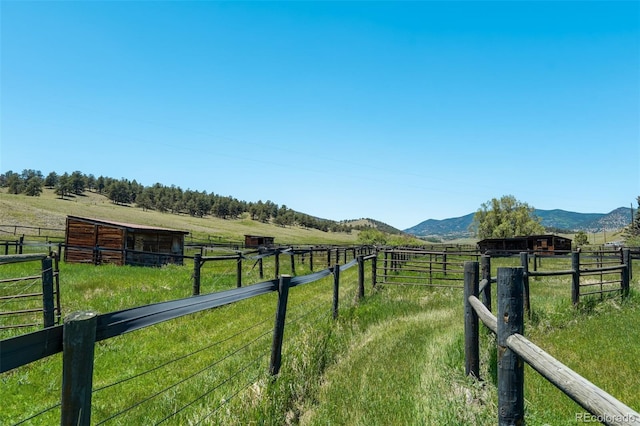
(100, 241)
(541, 244)
(255, 241)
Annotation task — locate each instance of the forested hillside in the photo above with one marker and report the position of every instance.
(162, 198)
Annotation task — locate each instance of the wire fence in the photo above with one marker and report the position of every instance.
(190, 381)
(214, 362)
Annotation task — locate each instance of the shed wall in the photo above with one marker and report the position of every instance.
(90, 242)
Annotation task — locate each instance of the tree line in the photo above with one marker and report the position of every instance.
(162, 198)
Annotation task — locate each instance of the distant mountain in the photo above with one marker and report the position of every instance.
(457, 227)
(371, 223)
(617, 219)
(562, 219)
(551, 219)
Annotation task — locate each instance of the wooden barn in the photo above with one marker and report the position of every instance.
(255, 241)
(99, 241)
(541, 244)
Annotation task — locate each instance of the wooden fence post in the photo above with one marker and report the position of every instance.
(278, 329)
(79, 336)
(336, 289)
(374, 271)
(329, 257)
(311, 259)
(485, 273)
(56, 280)
(431, 267)
(360, 277)
(575, 277)
(626, 259)
(239, 271)
(444, 262)
(21, 244)
(261, 268)
(524, 261)
(293, 262)
(471, 339)
(48, 306)
(510, 367)
(277, 263)
(626, 272)
(197, 263)
(386, 265)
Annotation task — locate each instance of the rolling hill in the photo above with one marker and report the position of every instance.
(557, 219)
(47, 213)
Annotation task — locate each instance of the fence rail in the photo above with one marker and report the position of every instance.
(447, 266)
(76, 338)
(577, 272)
(513, 348)
(424, 267)
(48, 298)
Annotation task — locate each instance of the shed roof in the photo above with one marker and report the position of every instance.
(527, 237)
(128, 226)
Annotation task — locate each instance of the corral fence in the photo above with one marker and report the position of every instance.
(313, 256)
(20, 246)
(388, 267)
(514, 350)
(35, 232)
(25, 299)
(424, 267)
(592, 272)
(612, 273)
(77, 337)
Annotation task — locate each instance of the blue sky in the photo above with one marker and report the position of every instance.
(398, 111)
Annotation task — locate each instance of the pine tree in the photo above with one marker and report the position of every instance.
(632, 232)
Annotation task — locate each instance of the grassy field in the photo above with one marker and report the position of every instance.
(188, 365)
(394, 358)
(49, 211)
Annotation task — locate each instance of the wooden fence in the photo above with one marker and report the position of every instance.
(33, 231)
(89, 328)
(77, 337)
(613, 275)
(22, 292)
(312, 255)
(20, 246)
(593, 273)
(514, 349)
(422, 267)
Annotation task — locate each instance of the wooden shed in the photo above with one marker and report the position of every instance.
(541, 244)
(100, 241)
(255, 241)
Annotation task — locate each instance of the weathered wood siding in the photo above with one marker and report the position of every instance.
(110, 244)
(95, 241)
(88, 242)
(543, 244)
(255, 241)
(79, 241)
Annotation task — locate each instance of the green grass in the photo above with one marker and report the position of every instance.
(395, 357)
(230, 345)
(49, 211)
(598, 341)
(404, 366)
